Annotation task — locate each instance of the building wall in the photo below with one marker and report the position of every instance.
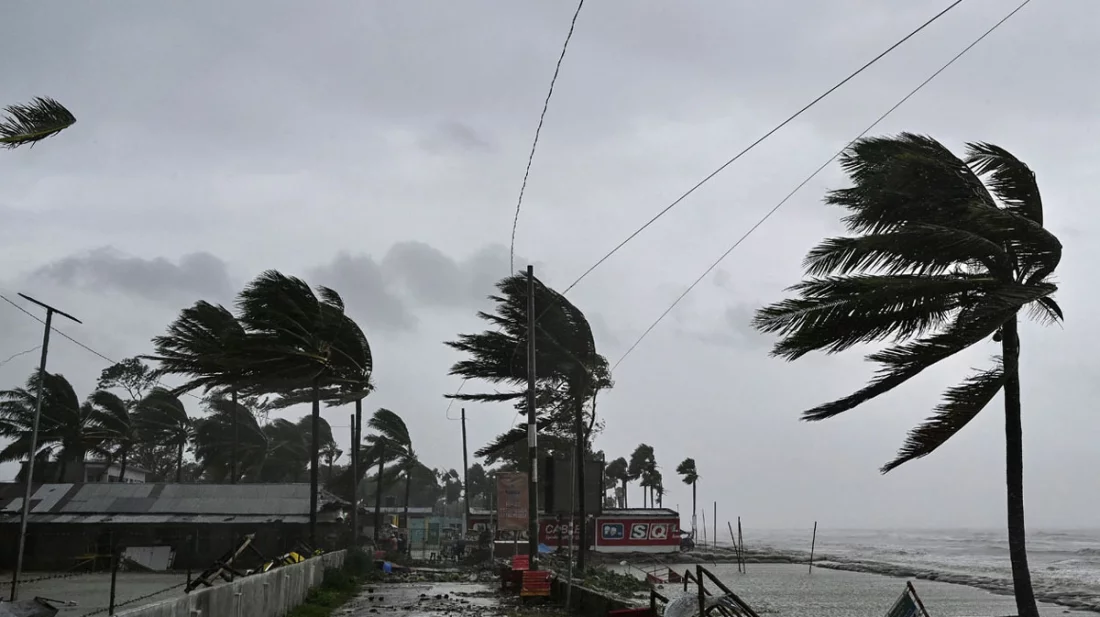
(59, 547)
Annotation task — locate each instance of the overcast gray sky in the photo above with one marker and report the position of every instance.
(378, 147)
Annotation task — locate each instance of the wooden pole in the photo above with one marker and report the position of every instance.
(736, 549)
(741, 543)
(813, 542)
(465, 479)
(115, 558)
(704, 527)
(715, 520)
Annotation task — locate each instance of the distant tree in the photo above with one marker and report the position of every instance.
(163, 425)
(690, 475)
(116, 432)
(617, 472)
(388, 441)
(641, 461)
(28, 124)
(480, 488)
(939, 261)
(133, 380)
(67, 429)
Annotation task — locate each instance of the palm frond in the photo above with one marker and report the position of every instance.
(1046, 311)
(33, 122)
(916, 249)
(962, 403)
(1010, 179)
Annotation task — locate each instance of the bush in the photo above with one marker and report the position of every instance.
(357, 562)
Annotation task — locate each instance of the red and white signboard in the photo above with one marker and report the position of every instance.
(651, 534)
(550, 530)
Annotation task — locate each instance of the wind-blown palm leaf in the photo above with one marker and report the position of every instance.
(115, 427)
(33, 122)
(962, 404)
(214, 440)
(687, 471)
(206, 343)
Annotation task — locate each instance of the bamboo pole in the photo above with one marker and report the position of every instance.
(813, 543)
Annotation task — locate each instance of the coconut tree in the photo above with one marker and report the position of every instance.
(389, 441)
(214, 437)
(690, 475)
(206, 345)
(67, 429)
(300, 341)
(641, 461)
(568, 370)
(115, 429)
(944, 254)
(162, 420)
(30, 123)
(616, 471)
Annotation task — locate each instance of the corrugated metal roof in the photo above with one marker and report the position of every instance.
(162, 519)
(259, 501)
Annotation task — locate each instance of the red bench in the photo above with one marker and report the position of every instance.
(536, 584)
(513, 576)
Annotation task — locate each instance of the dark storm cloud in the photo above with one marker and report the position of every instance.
(195, 275)
(365, 291)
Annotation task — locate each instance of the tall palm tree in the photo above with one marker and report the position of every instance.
(690, 475)
(389, 441)
(205, 344)
(162, 420)
(568, 370)
(616, 471)
(300, 342)
(939, 261)
(30, 123)
(67, 429)
(115, 429)
(641, 461)
(214, 437)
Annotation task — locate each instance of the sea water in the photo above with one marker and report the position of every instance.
(1065, 565)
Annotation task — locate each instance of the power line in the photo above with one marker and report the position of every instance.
(76, 342)
(814, 175)
(535, 143)
(21, 353)
(758, 141)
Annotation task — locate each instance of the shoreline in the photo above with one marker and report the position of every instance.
(1073, 599)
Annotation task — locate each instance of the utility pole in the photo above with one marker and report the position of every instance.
(532, 429)
(465, 477)
(354, 481)
(34, 440)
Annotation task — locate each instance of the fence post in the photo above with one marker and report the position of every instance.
(115, 559)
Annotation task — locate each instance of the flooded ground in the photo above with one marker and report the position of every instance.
(439, 599)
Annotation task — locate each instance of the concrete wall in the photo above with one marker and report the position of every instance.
(585, 601)
(271, 594)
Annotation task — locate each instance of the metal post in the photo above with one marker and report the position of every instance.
(532, 429)
(25, 512)
(465, 478)
(813, 542)
(358, 440)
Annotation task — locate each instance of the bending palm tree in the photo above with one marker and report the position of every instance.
(67, 429)
(389, 442)
(616, 471)
(641, 460)
(31, 123)
(161, 419)
(115, 430)
(690, 475)
(214, 438)
(939, 261)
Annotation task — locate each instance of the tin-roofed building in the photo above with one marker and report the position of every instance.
(71, 523)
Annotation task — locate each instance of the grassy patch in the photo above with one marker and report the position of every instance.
(338, 587)
(614, 582)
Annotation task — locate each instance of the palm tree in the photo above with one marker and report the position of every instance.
(162, 420)
(568, 370)
(33, 122)
(641, 460)
(389, 442)
(939, 261)
(690, 475)
(205, 344)
(67, 429)
(616, 471)
(300, 342)
(214, 439)
(115, 429)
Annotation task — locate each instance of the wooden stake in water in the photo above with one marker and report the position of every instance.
(813, 542)
(741, 544)
(704, 512)
(716, 525)
(736, 549)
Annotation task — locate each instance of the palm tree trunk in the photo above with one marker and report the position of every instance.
(314, 455)
(122, 466)
(408, 492)
(378, 494)
(693, 509)
(179, 462)
(233, 455)
(581, 514)
(622, 500)
(1014, 473)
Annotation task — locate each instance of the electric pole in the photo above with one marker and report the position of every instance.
(34, 440)
(532, 429)
(465, 477)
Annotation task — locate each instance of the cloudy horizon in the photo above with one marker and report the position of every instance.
(379, 148)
